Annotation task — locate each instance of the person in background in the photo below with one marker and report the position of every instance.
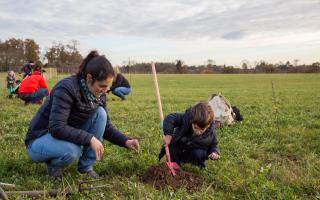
(120, 86)
(74, 119)
(34, 87)
(10, 83)
(191, 136)
(26, 69)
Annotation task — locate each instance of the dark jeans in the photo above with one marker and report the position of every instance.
(35, 97)
(180, 155)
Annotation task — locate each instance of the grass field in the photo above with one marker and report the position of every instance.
(273, 154)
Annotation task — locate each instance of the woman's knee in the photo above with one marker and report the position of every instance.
(101, 113)
(71, 154)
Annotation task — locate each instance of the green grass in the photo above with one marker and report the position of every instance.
(273, 154)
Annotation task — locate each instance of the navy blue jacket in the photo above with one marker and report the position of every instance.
(64, 112)
(120, 81)
(179, 126)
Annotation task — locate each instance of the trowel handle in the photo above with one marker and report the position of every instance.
(154, 72)
(168, 154)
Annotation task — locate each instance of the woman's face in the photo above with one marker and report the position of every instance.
(98, 87)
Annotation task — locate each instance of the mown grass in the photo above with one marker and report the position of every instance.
(272, 154)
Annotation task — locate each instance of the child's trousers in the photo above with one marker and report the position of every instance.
(180, 155)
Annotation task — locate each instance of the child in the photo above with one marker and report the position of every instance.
(10, 83)
(191, 135)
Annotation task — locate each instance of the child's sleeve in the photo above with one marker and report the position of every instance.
(172, 121)
(214, 144)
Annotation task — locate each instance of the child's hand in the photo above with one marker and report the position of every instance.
(214, 156)
(167, 140)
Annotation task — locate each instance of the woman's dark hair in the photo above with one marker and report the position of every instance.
(202, 114)
(38, 66)
(98, 66)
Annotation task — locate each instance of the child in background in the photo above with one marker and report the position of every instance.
(191, 136)
(10, 83)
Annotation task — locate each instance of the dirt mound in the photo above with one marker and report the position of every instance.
(160, 177)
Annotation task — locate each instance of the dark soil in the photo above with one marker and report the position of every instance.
(160, 177)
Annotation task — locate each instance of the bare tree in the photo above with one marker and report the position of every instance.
(31, 50)
(179, 66)
(295, 62)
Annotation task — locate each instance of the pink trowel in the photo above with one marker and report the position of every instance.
(173, 166)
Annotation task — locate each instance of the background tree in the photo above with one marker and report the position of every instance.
(211, 62)
(12, 53)
(295, 62)
(31, 50)
(60, 55)
(179, 66)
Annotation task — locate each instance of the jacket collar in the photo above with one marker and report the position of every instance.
(102, 99)
(36, 73)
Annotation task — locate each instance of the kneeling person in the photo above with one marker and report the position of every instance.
(120, 86)
(34, 87)
(191, 136)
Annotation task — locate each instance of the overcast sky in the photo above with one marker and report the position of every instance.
(227, 31)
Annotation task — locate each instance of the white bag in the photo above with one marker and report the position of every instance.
(222, 109)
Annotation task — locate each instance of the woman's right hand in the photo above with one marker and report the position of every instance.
(97, 147)
(167, 140)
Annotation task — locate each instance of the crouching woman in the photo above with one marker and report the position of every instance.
(72, 122)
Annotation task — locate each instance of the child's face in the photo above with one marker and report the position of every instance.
(197, 130)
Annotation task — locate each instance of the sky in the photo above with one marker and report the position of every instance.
(227, 31)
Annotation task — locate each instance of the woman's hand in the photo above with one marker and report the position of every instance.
(214, 156)
(167, 140)
(97, 147)
(132, 144)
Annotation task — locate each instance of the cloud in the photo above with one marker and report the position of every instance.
(235, 35)
(170, 20)
(163, 19)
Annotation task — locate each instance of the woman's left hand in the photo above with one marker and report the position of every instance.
(132, 144)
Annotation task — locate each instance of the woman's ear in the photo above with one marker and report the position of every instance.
(89, 78)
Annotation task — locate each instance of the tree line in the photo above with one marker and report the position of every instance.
(14, 53)
(260, 67)
(66, 58)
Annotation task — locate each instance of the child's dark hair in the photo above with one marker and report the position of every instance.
(98, 66)
(202, 114)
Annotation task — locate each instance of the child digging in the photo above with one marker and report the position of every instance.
(191, 136)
